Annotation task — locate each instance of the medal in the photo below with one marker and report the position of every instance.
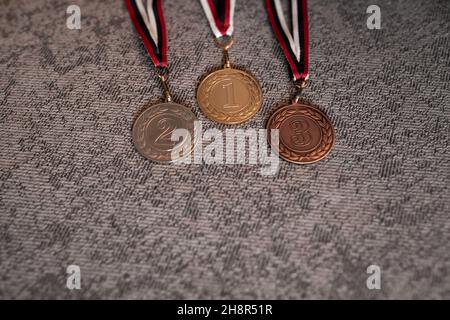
(228, 95)
(305, 133)
(153, 129)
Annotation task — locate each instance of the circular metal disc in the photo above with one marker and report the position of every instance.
(229, 96)
(153, 130)
(305, 133)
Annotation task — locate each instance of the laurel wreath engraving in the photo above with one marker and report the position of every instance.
(327, 134)
(247, 112)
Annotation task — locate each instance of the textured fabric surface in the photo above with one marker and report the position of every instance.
(73, 190)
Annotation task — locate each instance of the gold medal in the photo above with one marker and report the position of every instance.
(228, 95)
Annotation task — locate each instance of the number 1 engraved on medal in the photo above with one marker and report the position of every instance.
(301, 137)
(230, 97)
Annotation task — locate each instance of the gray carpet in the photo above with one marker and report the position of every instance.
(73, 190)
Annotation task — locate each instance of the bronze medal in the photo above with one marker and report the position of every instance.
(153, 130)
(229, 96)
(305, 133)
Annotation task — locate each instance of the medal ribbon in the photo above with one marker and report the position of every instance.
(148, 20)
(220, 14)
(295, 45)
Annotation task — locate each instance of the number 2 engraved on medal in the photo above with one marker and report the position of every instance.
(301, 137)
(167, 129)
(229, 96)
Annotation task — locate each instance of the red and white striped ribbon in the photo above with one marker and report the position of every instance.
(148, 19)
(295, 44)
(220, 14)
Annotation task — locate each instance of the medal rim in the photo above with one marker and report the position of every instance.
(151, 108)
(210, 115)
(300, 105)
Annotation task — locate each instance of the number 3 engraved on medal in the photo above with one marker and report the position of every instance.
(302, 136)
(229, 96)
(167, 130)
